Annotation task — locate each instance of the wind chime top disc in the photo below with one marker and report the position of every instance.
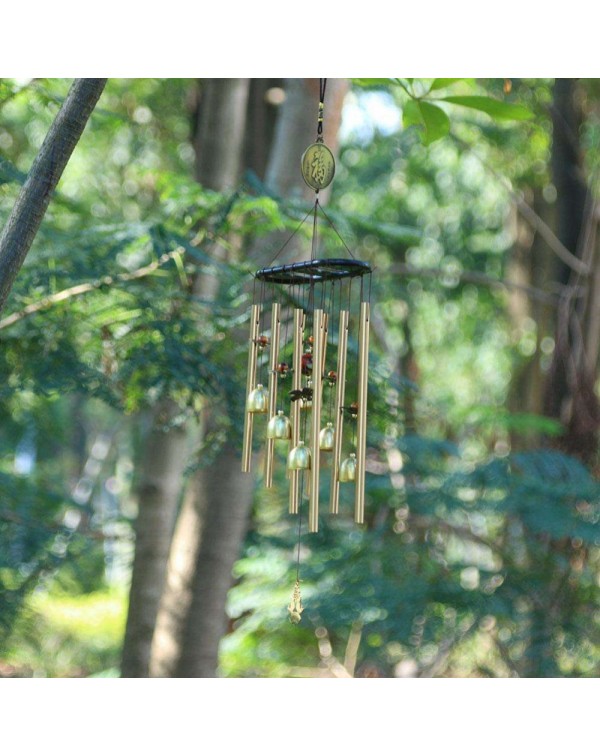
(318, 166)
(313, 271)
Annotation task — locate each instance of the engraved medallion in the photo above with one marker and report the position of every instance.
(318, 166)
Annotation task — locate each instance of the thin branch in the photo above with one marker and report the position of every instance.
(95, 535)
(33, 200)
(84, 288)
(470, 276)
(534, 220)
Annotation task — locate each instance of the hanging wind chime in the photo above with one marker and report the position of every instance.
(295, 380)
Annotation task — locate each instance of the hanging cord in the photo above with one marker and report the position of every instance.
(322, 87)
(298, 227)
(328, 219)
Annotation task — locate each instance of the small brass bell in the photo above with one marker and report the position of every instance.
(258, 400)
(347, 471)
(279, 427)
(299, 457)
(326, 438)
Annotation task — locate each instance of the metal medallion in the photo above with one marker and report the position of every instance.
(318, 166)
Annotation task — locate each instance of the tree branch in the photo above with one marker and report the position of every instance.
(29, 209)
(84, 288)
(481, 279)
(529, 214)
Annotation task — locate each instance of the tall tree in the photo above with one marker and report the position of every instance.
(569, 392)
(218, 142)
(34, 198)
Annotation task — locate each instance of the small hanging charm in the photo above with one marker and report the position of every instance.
(318, 166)
(295, 608)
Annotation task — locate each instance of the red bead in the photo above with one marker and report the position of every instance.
(307, 363)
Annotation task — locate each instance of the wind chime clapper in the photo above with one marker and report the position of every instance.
(305, 402)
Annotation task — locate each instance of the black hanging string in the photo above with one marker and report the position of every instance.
(289, 239)
(331, 223)
(322, 87)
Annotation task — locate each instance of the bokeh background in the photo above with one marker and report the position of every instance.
(131, 545)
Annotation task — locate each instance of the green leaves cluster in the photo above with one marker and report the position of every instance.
(426, 110)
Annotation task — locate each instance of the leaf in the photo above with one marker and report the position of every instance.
(442, 84)
(411, 114)
(373, 82)
(434, 122)
(494, 108)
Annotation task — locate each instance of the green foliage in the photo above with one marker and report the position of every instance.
(428, 114)
(60, 635)
(477, 559)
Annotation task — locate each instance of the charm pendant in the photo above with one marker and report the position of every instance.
(295, 608)
(318, 166)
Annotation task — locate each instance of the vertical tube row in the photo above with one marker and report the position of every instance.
(317, 385)
(338, 417)
(295, 411)
(250, 385)
(361, 421)
(275, 327)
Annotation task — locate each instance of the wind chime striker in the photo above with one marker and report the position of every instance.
(295, 380)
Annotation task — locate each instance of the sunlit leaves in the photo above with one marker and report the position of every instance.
(502, 111)
(442, 84)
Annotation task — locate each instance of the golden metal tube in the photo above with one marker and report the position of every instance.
(275, 327)
(295, 411)
(250, 384)
(338, 416)
(317, 385)
(361, 420)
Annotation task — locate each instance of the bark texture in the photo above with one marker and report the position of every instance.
(569, 393)
(213, 522)
(219, 147)
(164, 459)
(32, 202)
(218, 142)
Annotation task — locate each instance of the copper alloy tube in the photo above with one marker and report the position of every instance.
(275, 327)
(250, 385)
(317, 386)
(338, 416)
(361, 421)
(295, 412)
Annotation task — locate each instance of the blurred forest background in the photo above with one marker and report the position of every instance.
(130, 542)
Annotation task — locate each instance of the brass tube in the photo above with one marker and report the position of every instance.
(317, 385)
(295, 411)
(338, 416)
(275, 328)
(250, 385)
(361, 420)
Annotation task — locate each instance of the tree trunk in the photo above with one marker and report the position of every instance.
(569, 393)
(32, 202)
(213, 523)
(164, 456)
(218, 148)
(531, 264)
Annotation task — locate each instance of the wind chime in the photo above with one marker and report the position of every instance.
(302, 312)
